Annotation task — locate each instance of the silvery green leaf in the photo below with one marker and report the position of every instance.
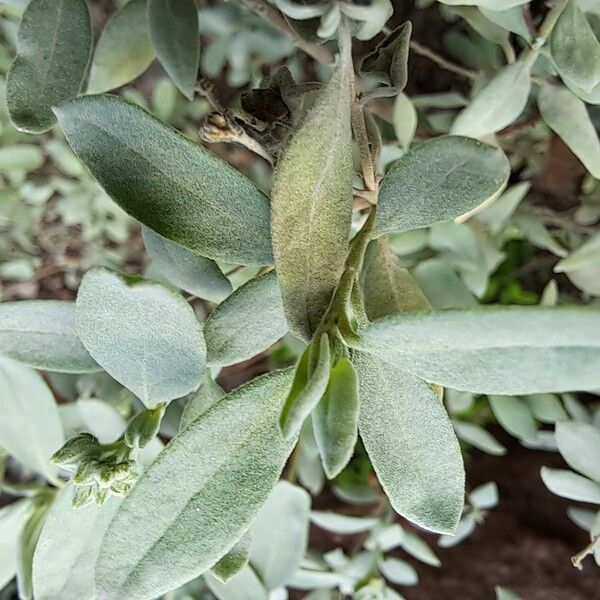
(207, 395)
(308, 467)
(582, 517)
(479, 438)
(577, 411)
(26, 548)
(41, 334)
(535, 232)
(465, 528)
(183, 501)
(403, 423)
(305, 579)
(497, 213)
(586, 256)
(280, 535)
(503, 593)
(484, 496)
(417, 547)
(246, 323)
(12, 519)
(124, 50)
(578, 444)
(385, 537)
(491, 4)
(234, 561)
(53, 50)
(443, 288)
(405, 120)
(514, 415)
(571, 485)
(374, 16)
(511, 19)
(244, 586)
(176, 39)
(312, 202)
(546, 408)
(550, 294)
(20, 157)
(301, 12)
(568, 117)
(482, 25)
(440, 100)
(30, 429)
(498, 104)
(341, 524)
(143, 334)
(66, 552)
(575, 48)
(335, 419)
(186, 270)
(437, 181)
(398, 571)
(173, 186)
(493, 350)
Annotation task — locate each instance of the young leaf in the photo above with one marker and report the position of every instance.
(571, 485)
(335, 419)
(280, 535)
(174, 33)
(438, 181)
(234, 561)
(246, 323)
(193, 503)
(575, 49)
(312, 202)
(498, 104)
(177, 188)
(495, 350)
(186, 270)
(30, 429)
(411, 443)
(124, 50)
(568, 117)
(53, 49)
(41, 334)
(12, 519)
(65, 555)
(143, 334)
(244, 586)
(208, 394)
(578, 444)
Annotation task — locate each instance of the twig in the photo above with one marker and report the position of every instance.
(589, 549)
(441, 61)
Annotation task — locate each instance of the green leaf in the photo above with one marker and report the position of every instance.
(514, 415)
(405, 120)
(398, 571)
(546, 408)
(174, 33)
(587, 255)
(208, 394)
(511, 19)
(64, 559)
(571, 485)
(12, 519)
(335, 419)
(177, 188)
(312, 202)
(30, 429)
(41, 334)
(438, 181)
(246, 323)
(234, 561)
(493, 350)
(200, 495)
(20, 157)
(411, 443)
(124, 50)
(280, 535)
(498, 104)
(342, 524)
(310, 382)
(484, 496)
(479, 438)
(53, 49)
(418, 548)
(568, 117)
(578, 444)
(186, 270)
(575, 49)
(143, 334)
(244, 586)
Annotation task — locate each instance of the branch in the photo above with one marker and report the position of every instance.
(441, 61)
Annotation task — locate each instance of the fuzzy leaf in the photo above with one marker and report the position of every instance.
(437, 181)
(143, 334)
(578, 444)
(177, 188)
(571, 485)
(411, 443)
(199, 496)
(124, 50)
(41, 334)
(53, 49)
(312, 202)
(246, 323)
(208, 394)
(234, 561)
(174, 33)
(514, 415)
(495, 350)
(479, 438)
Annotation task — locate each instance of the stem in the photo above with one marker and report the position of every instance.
(544, 31)
(441, 61)
(589, 549)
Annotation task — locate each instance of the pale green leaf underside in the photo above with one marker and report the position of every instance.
(437, 181)
(199, 496)
(53, 49)
(412, 445)
(173, 186)
(41, 334)
(495, 350)
(246, 323)
(144, 335)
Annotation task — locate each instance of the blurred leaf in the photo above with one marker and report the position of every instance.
(244, 586)
(418, 548)
(465, 528)
(27, 543)
(578, 444)
(571, 485)
(442, 286)
(12, 519)
(547, 408)
(479, 438)
(404, 120)
(208, 394)
(26, 157)
(398, 571)
(484, 496)
(234, 561)
(342, 524)
(514, 415)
